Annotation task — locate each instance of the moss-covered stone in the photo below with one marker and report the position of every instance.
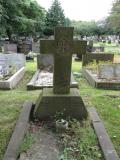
(70, 105)
(62, 47)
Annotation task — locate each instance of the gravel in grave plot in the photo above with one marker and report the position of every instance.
(45, 146)
(44, 78)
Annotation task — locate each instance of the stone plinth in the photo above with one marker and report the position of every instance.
(71, 105)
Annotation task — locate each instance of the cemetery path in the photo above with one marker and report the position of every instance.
(44, 148)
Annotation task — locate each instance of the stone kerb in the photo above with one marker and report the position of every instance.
(17, 60)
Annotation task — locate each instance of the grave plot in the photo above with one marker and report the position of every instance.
(44, 75)
(12, 69)
(106, 76)
(57, 105)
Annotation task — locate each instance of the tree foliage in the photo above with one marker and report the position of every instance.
(91, 28)
(21, 17)
(113, 20)
(55, 17)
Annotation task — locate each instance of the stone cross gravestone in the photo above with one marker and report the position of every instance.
(109, 71)
(62, 48)
(61, 98)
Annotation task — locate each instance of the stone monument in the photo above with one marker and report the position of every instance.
(10, 48)
(109, 71)
(61, 98)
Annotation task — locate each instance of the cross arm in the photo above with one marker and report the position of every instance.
(47, 46)
(79, 47)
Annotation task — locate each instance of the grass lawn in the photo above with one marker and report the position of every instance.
(107, 107)
(10, 106)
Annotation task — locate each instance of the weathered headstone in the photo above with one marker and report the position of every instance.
(23, 47)
(62, 47)
(12, 59)
(82, 50)
(10, 48)
(109, 71)
(101, 57)
(105, 72)
(36, 47)
(44, 61)
(61, 98)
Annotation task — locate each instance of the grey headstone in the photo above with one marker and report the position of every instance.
(36, 47)
(10, 48)
(12, 59)
(44, 61)
(109, 71)
(117, 71)
(105, 71)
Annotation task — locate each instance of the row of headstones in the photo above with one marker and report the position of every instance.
(18, 60)
(14, 48)
(27, 47)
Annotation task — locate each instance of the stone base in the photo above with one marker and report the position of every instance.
(70, 105)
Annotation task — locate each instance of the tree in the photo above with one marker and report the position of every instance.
(21, 17)
(33, 18)
(67, 22)
(55, 17)
(113, 20)
(91, 28)
(84, 28)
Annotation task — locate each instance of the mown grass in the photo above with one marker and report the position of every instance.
(108, 108)
(10, 105)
